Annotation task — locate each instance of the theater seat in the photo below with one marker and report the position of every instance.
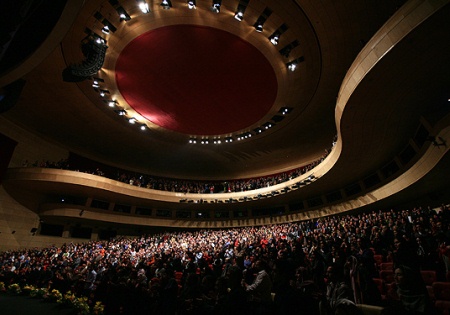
(378, 260)
(178, 276)
(442, 295)
(391, 291)
(370, 309)
(381, 287)
(428, 276)
(387, 266)
(387, 276)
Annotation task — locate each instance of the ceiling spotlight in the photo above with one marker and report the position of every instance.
(191, 4)
(108, 27)
(123, 15)
(228, 139)
(105, 29)
(99, 40)
(132, 120)
(292, 66)
(285, 110)
(274, 38)
(193, 140)
(262, 18)
(294, 63)
(112, 103)
(143, 127)
(95, 84)
(103, 93)
(121, 112)
(268, 125)
(258, 26)
(239, 15)
(166, 4)
(143, 6)
(216, 6)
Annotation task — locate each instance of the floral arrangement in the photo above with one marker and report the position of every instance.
(14, 288)
(38, 292)
(68, 298)
(81, 305)
(28, 289)
(98, 308)
(53, 295)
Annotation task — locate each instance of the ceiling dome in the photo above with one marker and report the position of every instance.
(196, 80)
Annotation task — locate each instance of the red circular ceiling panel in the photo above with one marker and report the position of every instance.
(196, 80)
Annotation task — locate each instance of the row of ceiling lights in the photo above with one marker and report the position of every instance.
(239, 15)
(114, 104)
(245, 135)
(216, 4)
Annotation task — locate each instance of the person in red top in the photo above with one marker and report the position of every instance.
(264, 242)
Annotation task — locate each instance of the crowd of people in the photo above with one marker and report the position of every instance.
(180, 185)
(320, 266)
(177, 185)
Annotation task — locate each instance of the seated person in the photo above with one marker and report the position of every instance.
(412, 293)
(339, 295)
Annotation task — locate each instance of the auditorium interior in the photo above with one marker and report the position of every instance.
(335, 106)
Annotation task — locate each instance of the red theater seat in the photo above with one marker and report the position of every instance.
(387, 276)
(442, 295)
(378, 260)
(381, 287)
(428, 276)
(387, 266)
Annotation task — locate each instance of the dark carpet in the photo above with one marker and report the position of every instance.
(24, 305)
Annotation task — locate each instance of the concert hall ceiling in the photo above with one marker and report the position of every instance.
(212, 97)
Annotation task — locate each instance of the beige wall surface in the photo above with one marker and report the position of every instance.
(30, 147)
(16, 223)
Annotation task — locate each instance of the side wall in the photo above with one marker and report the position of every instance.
(16, 224)
(16, 221)
(30, 147)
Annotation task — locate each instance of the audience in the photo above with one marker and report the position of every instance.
(338, 298)
(267, 269)
(412, 293)
(176, 185)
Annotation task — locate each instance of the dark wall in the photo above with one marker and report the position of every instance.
(7, 146)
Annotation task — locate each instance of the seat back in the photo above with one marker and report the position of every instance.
(428, 276)
(387, 266)
(441, 290)
(387, 276)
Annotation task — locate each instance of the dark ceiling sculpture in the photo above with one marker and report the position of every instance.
(94, 51)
